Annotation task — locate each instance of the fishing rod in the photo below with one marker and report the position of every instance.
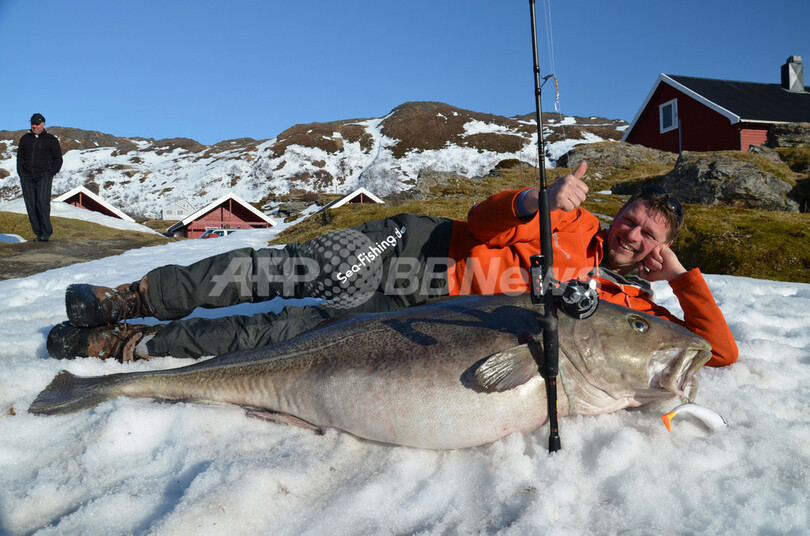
(577, 299)
(541, 264)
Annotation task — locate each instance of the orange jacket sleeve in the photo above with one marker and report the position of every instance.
(494, 222)
(702, 316)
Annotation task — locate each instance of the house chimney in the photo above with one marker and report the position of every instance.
(793, 74)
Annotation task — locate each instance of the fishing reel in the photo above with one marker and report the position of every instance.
(577, 299)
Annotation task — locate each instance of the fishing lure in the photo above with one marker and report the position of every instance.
(709, 417)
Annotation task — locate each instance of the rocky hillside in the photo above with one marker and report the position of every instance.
(386, 155)
(775, 176)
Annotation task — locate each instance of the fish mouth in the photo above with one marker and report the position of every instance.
(678, 375)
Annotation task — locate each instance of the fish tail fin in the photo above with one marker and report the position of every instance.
(668, 420)
(68, 393)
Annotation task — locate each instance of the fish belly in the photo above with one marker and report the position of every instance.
(438, 412)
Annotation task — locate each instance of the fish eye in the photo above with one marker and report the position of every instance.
(638, 324)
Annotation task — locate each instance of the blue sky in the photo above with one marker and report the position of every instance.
(219, 70)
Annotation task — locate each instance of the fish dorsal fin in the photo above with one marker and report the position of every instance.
(507, 369)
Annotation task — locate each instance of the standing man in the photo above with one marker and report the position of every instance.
(39, 158)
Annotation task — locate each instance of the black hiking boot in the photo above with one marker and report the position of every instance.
(66, 341)
(88, 305)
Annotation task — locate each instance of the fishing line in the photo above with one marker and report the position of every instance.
(550, 40)
(553, 64)
(557, 105)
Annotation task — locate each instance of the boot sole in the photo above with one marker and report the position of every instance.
(65, 341)
(83, 307)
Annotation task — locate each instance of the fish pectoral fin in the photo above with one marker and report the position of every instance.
(284, 418)
(507, 369)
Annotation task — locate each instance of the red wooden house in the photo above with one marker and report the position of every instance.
(228, 212)
(684, 113)
(83, 198)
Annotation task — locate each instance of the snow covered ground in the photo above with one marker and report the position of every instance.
(138, 467)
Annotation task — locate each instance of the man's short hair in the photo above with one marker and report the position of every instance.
(661, 203)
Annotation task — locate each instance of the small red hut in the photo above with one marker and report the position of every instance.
(83, 198)
(227, 212)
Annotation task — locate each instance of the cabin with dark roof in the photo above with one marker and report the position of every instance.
(228, 212)
(685, 113)
(83, 198)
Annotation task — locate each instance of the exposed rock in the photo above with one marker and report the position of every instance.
(614, 154)
(789, 135)
(427, 180)
(326, 217)
(801, 193)
(291, 208)
(766, 152)
(726, 179)
(509, 163)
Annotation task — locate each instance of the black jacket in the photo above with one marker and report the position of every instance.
(38, 154)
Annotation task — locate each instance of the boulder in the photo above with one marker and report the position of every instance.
(290, 208)
(613, 155)
(766, 152)
(427, 180)
(726, 179)
(789, 135)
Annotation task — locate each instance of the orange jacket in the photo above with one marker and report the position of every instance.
(492, 248)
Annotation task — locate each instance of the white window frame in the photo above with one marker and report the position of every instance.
(661, 107)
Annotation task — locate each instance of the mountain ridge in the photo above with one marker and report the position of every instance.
(384, 154)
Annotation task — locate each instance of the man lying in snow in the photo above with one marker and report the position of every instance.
(392, 263)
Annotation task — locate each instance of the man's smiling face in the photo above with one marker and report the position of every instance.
(635, 232)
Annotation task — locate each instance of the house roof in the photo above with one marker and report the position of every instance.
(738, 101)
(182, 203)
(211, 206)
(752, 101)
(348, 197)
(84, 191)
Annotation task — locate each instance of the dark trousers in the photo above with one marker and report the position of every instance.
(379, 266)
(37, 195)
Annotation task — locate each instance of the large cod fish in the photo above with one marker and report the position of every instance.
(452, 374)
